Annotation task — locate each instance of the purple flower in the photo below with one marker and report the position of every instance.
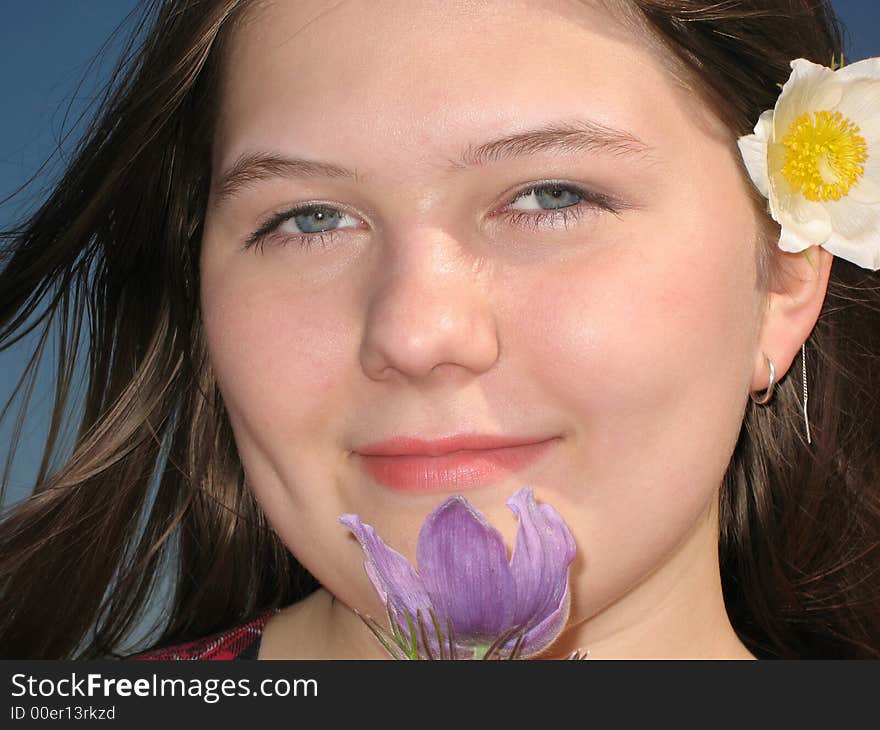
(467, 600)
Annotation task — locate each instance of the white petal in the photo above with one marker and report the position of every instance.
(775, 161)
(782, 197)
(764, 127)
(805, 212)
(872, 164)
(860, 104)
(779, 199)
(804, 223)
(868, 68)
(863, 250)
(754, 154)
(869, 128)
(753, 148)
(790, 241)
(810, 87)
(850, 219)
(867, 189)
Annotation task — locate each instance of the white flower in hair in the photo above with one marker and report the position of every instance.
(816, 157)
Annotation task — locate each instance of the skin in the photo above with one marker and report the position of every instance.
(633, 336)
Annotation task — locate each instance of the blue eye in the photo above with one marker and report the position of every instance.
(557, 203)
(553, 197)
(312, 220)
(548, 203)
(305, 223)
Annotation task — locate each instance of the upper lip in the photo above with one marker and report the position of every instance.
(411, 446)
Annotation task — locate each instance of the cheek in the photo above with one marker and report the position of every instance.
(275, 350)
(648, 348)
(637, 331)
(279, 355)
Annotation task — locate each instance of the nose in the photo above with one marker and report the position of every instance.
(428, 313)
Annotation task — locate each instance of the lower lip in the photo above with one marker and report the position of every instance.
(450, 472)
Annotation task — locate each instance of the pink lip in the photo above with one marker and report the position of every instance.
(457, 462)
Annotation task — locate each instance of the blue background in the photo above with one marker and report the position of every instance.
(47, 48)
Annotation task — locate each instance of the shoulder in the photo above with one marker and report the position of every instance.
(238, 642)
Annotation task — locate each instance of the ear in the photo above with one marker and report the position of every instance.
(794, 299)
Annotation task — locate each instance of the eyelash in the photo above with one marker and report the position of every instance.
(566, 215)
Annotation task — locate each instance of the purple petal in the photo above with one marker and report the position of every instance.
(541, 557)
(463, 564)
(391, 574)
(543, 634)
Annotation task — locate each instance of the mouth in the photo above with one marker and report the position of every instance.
(451, 471)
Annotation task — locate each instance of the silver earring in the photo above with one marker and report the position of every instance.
(761, 400)
(804, 381)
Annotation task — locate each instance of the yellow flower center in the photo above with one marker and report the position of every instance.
(824, 155)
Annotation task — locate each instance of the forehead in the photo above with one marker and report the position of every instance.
(429, 74)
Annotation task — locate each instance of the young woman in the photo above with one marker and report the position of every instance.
(308, 239)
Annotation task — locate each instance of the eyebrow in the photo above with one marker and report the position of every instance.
(560, 137)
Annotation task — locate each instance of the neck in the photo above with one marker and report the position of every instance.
(676, 612)
(319, 627)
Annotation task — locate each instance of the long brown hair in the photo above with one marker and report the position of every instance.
(153, 485)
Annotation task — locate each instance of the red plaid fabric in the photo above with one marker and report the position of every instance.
(239, 642)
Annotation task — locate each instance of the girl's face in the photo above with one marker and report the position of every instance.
(512, 222)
